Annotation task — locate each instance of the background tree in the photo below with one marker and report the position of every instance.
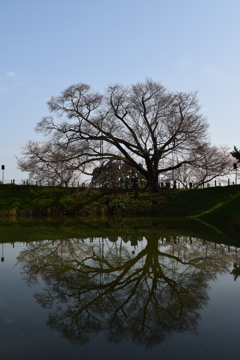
(210, 162)
(141, 126)
(116, 174)
(236, 154)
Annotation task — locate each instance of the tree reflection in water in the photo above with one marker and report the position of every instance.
(142, 293)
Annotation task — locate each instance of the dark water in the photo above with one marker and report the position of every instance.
(154, 293)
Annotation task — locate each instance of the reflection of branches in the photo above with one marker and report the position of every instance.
(94, 285)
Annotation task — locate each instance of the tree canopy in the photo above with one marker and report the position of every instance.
(144, 126)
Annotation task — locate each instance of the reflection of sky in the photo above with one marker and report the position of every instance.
(218, 331)
(23, 330)
(10, 252)
(24, 334)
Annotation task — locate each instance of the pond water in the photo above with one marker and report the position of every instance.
(123, 293)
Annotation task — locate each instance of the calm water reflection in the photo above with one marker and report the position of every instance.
(154, 294)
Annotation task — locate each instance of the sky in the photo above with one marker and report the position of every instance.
(48, 45)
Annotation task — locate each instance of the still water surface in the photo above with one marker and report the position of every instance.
(152, 294)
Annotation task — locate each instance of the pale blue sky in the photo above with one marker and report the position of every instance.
(48, 45)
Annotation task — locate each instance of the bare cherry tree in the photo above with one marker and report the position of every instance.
(210, 162)
(143, 126)
(49, 162)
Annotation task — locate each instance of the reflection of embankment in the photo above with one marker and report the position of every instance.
(143, 290)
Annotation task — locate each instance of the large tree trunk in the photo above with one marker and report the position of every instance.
(152, 177)
(153, 184)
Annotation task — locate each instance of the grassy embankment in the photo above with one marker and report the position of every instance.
(219, 206)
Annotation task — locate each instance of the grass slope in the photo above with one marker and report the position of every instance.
(225, 215)
(219, 206)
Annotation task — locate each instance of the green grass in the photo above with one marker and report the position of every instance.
(218, 206)
(224, 215)
(40, 200)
